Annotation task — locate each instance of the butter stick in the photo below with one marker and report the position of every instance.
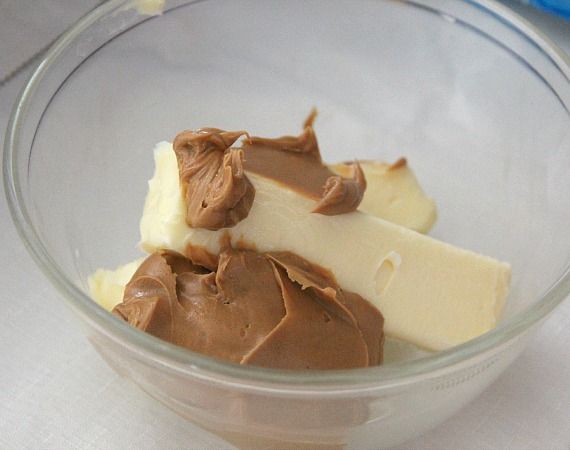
(393, 193)
(432, 294)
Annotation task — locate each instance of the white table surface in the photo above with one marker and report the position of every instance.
(56, 392)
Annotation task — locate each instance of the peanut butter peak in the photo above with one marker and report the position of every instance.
(272, 310)
(217, 192)
(401, 162)
(305, 144)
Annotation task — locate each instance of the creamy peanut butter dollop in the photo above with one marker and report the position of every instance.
(272, 310)
(218, 193)
(215, 187)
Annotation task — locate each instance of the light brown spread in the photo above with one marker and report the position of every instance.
(272, 310)
(296, 162)
(218, 193)
(342, 195)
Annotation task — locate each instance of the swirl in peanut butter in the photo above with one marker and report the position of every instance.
(341, 195)
(217, 192)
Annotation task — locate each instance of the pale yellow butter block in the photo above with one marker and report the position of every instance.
(432, 294)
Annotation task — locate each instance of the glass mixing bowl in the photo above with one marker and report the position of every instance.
(471, 94)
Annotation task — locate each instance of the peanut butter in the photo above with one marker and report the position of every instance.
(272, 310)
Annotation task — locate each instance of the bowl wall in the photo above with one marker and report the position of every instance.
(262, 416)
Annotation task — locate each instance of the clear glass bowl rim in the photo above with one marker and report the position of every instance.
(200, 366)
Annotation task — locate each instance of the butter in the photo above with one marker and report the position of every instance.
(394, 194)
(107, 286)
(432, 294)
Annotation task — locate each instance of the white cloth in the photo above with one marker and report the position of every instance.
(56, 392)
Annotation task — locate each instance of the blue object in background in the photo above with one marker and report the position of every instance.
(560, 7)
